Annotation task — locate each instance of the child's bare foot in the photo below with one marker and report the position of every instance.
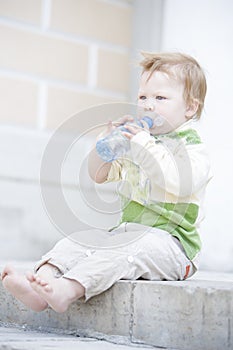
(18, 285)
(58, 292)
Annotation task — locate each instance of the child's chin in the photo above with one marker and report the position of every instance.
(158, 130)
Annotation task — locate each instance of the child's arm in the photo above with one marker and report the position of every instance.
(97, 168)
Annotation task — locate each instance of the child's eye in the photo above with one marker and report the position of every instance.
(160, 98)
(142, 97)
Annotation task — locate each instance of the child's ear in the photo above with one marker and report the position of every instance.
(192, 108)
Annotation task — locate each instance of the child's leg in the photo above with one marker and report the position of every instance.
(58, 292)
(18, 285)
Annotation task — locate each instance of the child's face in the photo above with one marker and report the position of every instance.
(163, 95)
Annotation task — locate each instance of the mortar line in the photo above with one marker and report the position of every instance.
(131, 319)
(51, 33)
(229, 333)
(42, 106)
(45, 14)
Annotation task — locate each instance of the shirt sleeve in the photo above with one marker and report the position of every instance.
(115, 172)
(178, 168)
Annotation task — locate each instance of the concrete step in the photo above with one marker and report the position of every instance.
(186, 315)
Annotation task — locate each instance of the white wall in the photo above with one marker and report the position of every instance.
(204, 29)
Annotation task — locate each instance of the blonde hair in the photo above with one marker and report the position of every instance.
(182, 67)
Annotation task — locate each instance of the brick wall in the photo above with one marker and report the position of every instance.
(57, 57)
(62, 56)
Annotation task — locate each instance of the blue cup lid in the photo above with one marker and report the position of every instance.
(149, 121)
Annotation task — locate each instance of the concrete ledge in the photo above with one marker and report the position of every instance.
(192, 314)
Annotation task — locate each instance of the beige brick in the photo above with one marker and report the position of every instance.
(64, 103)
(94, 19)
(18, 101)
(113, 71)
(23, 10)
(49, 57)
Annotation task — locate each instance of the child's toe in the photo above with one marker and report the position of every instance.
(48, 288)
(43, 283)
(30, 277)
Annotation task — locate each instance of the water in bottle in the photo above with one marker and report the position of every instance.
(115, 145)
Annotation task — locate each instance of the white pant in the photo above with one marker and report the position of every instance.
(133, 251)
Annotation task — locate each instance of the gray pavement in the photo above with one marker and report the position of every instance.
(21, 339)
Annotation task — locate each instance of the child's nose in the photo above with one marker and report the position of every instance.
(149, 105)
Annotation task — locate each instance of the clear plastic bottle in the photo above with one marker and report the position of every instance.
(115, 145)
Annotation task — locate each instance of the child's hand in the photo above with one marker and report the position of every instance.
(132, 129)
(112, 125)
(123, 120)
(135, 129)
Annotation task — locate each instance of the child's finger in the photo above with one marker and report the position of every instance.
(133, 129)
(127, 135)
(109, 126)
(145, 125)
(126, 118)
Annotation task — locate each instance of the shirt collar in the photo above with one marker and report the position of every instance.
(185, 125)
